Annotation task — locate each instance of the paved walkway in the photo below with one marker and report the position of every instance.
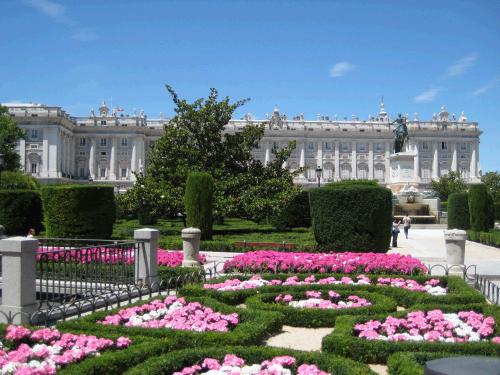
(428, 245)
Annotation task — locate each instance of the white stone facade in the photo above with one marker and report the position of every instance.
(108, 147)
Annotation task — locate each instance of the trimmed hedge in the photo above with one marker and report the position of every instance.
(79, 211)
(353, 217)
(176, 361)
(316, 317)
(458, 290)
(20, 210)
(412, 363)
(295, 214)
(458, 211)
(481, 208)
(491, 238)
(253, 327)
(343, 342)
(198, 202)
(10, 180)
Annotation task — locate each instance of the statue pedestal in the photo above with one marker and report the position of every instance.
(402, 171)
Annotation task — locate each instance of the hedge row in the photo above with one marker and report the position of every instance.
(10, 180)
(303, 317)
(253, 327)
(295, 214)
(176, 361)
(20, 210)
(481, 208)
(344, 342)
(458, 290)
(491, 238)
(412, 363)
(458, 211)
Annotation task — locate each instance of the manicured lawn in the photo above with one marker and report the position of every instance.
(233, 230)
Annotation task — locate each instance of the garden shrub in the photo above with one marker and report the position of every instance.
(497, 211)
(481, 208)
(175, 277)
(253, 326)
(491, 238)
(20, 210)
(445, 205)
(458, 211)
(352, 217)
(79, 211)
(10, 180)
(177, 360)
(344, 342)
(458, 290)
(295, 214)
(145, 216)
(348, 183)
(198, 202)
(316, 317)
(412, 363)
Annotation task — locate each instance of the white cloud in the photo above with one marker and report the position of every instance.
(481, 90)
(340, 68)
(460, 66)
(51, 9)
(427, 95)
(85, 35)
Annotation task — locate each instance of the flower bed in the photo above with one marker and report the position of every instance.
(404, 290)
(465, 329)
(372, 263)
(197, 361)
(321, 308)
(198, 322)
(46, 350)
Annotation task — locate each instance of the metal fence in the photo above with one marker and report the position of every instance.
(490, 290)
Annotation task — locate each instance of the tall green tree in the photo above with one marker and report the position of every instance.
(449, 184)
(196, 140)
(492, 182)
(10, 133)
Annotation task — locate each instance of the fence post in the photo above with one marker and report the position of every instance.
(19, 279)
(146, 263)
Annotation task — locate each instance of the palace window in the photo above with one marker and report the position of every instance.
(425, 145)
(103, 122)
(444, 146)
(34, 133)
(328, 146)
(102, 172)
(82, 153)
(103, 153)
(124, 141)
(345, 171)
(124, 153)
(82, 171)
(363, 171)
(310, 146)
(33, 168)
(426, 172)
(361, 147)
(380, 172)
(345, 147)
(82, 141)
(464, 172)
(379, 147)
(104, 142)
(124, 172)
(463, 146)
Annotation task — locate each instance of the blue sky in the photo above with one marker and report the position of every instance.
(326, 57)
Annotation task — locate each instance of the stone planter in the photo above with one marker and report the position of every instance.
(191, 246)
(455, 249)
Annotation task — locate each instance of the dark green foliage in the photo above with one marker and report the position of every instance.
(10, 133)
(481, 208)
(344, 342)
(492, 182)
(346, 183)
(448, 184)
(352, 217)
(458, 290)
(253, 326)
(320, 317)
(412, 363)
(497, 211)
(16, 180)
(20, 210)
(79, 211)
(295, 214)
(146, 216)
(175, 277)
(176, 361)
(444, 205)
(458, 211)
(198, 203)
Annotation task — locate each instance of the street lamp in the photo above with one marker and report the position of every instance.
(319, 170)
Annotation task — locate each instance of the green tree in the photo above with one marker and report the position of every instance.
(196, 140)
(10, 133)
(492, 182)
(198, 202)
(449, 184)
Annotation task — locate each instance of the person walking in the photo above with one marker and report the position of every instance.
(395, 232)
(406, 225)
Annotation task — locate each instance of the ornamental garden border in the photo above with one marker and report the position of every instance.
(177, 360)
(343, 342)
(316, 317)
(412, 363)
(253, 326)
(458, 290)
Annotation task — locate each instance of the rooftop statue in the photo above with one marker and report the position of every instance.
(400, 133)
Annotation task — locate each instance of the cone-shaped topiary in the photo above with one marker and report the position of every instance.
(198, 201)
(458, 211)
(481, 208)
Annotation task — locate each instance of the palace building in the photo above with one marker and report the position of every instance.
(108, 147)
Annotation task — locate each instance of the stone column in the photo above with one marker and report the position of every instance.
(370, 160)
(267, 155)
(72, 151)
(22, 154)
(133, 162)
(416, 163)
(140, 154)
(146, 262)
(45, 156)
(454, 160)
(112, 162)
(388, 146)
(473, 161)
(354, 161)
(337, 161)
(92, 160)
(54, 153)
(191, 246)
(319, 154)
(435, 161)
(19, 279)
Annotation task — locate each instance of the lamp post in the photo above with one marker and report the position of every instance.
(319, 170)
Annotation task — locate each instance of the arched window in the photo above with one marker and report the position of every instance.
(328, 171)
(363, 172)
(345, 172)
(380, 172)
(464, 171)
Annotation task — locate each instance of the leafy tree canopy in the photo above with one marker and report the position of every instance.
(196, 139)
(10, 133)
(448, 184)
(492, 182)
